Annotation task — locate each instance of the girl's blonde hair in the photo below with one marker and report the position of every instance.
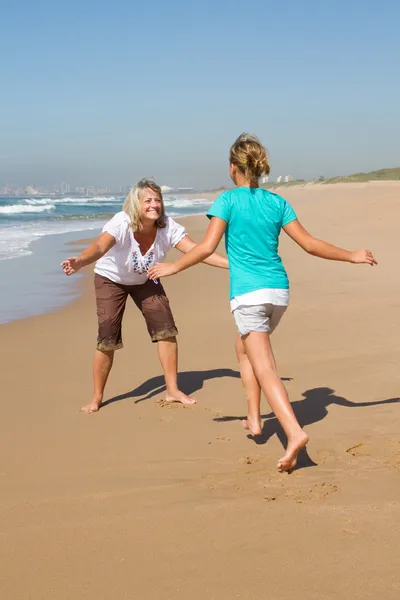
(133, 208)
(249, 155)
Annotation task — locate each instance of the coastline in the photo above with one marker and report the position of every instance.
(36, 284)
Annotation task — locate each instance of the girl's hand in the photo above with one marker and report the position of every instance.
(162, 270)
(71, 265)
(363, 257)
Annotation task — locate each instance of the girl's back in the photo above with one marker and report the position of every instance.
(254, 219)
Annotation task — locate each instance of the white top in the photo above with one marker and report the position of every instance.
(264, 296)
(124, 263)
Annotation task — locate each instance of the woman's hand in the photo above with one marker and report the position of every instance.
(363, 257)
(103, 244)
(215, 260)
(71, 265)
(162, 270)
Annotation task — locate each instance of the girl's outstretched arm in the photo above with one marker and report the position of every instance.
(215, 260)
(322, 249)
(95, 251)
(199, 253)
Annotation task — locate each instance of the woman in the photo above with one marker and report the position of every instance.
(131, 242)
(252, 219)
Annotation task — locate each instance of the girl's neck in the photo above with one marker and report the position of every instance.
(249, 184)
(242, 181)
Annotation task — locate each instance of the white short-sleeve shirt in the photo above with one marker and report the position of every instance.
(124, 263)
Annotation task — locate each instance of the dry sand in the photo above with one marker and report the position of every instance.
(154, 501)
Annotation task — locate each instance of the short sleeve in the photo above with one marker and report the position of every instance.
(221, 208)
(175, 232)
(114, 227)
(288, 213)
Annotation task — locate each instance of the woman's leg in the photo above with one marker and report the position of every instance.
(168, 355)
(259, 351)
(110, 301)
(252, 389)
(151, 299)
(102, 363)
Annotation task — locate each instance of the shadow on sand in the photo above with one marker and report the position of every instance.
(189, 382)
(311, 409)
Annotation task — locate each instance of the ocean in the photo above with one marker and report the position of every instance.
(33, 237)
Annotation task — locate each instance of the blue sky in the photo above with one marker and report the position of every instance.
(104, 93)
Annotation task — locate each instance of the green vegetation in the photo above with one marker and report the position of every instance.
(272, 184)
(381, 175)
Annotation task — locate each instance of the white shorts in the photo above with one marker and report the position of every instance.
(260, 317)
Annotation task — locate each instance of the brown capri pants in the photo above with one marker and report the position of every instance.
(150, 298)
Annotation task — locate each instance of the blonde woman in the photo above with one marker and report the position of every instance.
(252, 219)
(133, 241)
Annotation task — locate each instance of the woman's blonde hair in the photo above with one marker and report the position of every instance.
(249, 155)
(133, 208)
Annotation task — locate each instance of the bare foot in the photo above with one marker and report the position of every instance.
(289, 461)
(179, 396)
(94, 406)
(252, 425)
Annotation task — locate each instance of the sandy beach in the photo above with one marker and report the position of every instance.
(147, 500)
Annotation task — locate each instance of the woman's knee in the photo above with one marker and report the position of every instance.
(159, 318)
(109, 337)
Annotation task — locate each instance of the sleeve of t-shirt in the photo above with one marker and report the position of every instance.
(176, 232)
(114, 227)
(221, 208)
(288, 213)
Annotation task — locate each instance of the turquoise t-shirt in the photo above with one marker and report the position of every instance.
(255, 218)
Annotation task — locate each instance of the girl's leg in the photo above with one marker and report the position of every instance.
(168, 355)
(259, 351)
(252, 389)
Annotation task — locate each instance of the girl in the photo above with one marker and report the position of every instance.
(134, 240)
(252, 218)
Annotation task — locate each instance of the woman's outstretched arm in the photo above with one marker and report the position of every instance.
(215, 260)
(95, 251)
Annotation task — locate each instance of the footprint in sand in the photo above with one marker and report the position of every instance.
(319, 491)
(387, 453)
(215, 413)
(360, 449)
(171, 405)
(249, 460)
(394, 456)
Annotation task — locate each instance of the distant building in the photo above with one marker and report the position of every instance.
(288, 178)
(264, 179)
(31, 191)
(279, 179)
